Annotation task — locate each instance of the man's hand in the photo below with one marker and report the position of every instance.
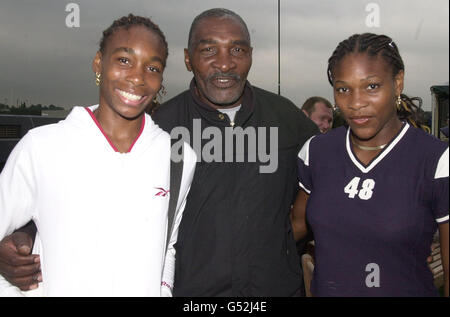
(17, 265)
(430, 257)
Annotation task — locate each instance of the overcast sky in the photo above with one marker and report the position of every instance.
(44, 61)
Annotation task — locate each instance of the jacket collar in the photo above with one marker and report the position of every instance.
(216, 117)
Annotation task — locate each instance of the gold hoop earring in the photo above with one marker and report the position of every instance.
(162, 91)
(97, 79)
(158, 97)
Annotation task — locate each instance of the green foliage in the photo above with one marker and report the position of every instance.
(24, 110)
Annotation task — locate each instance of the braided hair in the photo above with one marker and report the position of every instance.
(127, 22)
(384, 46)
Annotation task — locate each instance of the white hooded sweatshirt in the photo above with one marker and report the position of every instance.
(101, 215)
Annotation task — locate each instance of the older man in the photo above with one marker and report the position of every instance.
(235, 238)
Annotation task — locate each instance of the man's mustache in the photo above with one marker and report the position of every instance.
(217, 75)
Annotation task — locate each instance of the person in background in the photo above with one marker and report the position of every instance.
(320, 111)
(444, 130)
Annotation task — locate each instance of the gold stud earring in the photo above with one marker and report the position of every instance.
(399, 102)
(97, 79)
(158, 97)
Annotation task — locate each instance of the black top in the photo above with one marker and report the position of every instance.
(235, 237)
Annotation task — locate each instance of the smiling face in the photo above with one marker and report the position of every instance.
(131, 68)
(220, 59)
(365, 90)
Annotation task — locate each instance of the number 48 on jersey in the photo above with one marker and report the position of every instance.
(364, 192)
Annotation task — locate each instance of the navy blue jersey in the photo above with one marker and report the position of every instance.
(373, 225)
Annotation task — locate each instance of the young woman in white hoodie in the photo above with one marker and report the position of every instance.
(98, 181)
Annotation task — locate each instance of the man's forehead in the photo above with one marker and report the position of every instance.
(321, 106)
(229, 28)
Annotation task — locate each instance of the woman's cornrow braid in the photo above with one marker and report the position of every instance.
(384, 46)
(411, 112)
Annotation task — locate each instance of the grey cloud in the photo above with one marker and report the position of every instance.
(43, 61)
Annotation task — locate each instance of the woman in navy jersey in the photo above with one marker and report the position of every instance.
(375, 192)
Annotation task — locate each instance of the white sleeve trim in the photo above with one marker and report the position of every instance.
(443, 219)
(304, 188)
(304, 152)
(442, 167)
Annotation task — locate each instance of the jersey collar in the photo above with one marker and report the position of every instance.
(380, 156)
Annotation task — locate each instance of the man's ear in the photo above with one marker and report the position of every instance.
(97, 63)
(187, 60)
(305, 113)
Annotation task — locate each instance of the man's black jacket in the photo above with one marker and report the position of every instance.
(235, 237)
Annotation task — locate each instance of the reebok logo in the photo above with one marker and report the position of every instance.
(162, 192)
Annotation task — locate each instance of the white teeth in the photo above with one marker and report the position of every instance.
(129, 96)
